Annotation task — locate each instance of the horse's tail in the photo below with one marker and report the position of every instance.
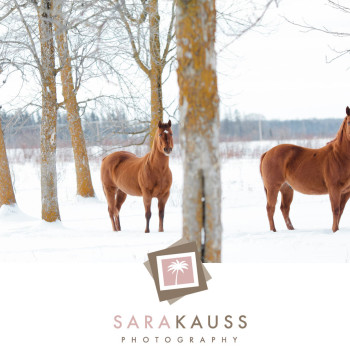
(261, 160)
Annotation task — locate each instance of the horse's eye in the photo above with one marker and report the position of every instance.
(160, 134)
(348, 123)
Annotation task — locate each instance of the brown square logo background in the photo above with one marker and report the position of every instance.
(177, 249)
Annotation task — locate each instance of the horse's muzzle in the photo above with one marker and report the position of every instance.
(167, 150)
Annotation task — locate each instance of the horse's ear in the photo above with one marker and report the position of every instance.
(160, 124)
(348, 111)
(169, 122)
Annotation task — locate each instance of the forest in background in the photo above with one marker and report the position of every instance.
(22, 130)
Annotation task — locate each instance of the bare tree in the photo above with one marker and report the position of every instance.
(24, 38)
(154, 60)
(30, 50)
(199, 113)
(84, 183)
(49, 201)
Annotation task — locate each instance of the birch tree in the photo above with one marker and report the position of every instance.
(28, 37)
(49, 202)
(199, 114)
(7, 195)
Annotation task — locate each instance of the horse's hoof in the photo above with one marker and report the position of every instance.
(146, 231)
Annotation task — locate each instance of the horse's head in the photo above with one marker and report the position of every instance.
(165, 138)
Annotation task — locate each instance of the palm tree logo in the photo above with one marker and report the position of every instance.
(177, 266)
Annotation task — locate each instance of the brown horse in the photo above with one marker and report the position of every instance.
(286, 168)
(124, 173)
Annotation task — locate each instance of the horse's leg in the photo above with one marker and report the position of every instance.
(161, 205)
(287, 198)
(121, 196)
(343, 200)
(147, 200)
(271, 194)
(110, 196)
(335, 197)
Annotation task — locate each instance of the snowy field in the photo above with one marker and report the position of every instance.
(85, 233)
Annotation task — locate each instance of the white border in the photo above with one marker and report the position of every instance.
(160, 258)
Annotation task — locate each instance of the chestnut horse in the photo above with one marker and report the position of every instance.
(286, 168)
(124, 173)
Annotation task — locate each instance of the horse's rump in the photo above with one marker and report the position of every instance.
(261, 160)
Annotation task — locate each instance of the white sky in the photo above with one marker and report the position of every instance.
(284, 74)
(278, 71)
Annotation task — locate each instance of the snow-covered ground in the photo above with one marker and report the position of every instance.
(85, 232)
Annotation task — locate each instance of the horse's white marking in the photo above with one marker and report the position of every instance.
(166, 131)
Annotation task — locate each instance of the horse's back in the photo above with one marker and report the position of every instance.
(118, 157)
(113, 160)
(279, 156)
(301, 167)
(120, 170)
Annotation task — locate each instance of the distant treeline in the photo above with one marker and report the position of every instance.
(256, 129)
(23, 129)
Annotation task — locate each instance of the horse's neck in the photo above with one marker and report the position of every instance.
(342, 147)
(157, 158)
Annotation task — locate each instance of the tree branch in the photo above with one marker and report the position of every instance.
(136, 54)
(170, 36)
(322, 30)
(338, 6)
(32, 47)
(254, 23)
(143, 15)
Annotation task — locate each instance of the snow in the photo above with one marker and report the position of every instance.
(85, 233)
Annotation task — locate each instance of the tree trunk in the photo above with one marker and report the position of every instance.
(155, 74)
(7, 195)
(199, 113)
(49, 202)
(82, 169)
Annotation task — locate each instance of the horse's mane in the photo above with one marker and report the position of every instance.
(339, 135)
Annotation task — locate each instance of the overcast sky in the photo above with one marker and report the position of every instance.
(283, 73)
(279, 71)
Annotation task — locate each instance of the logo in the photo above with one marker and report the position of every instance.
(177, 271)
